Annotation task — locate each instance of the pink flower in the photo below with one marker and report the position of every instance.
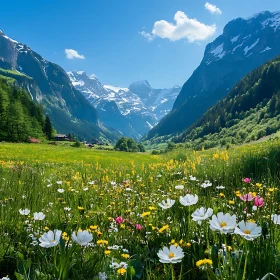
(246, 180)
(246, 197)
(119, 220)
(138, 226)
(259, 201)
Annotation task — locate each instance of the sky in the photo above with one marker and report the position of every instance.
(122, 41)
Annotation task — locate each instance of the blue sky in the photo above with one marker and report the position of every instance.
(106, 34)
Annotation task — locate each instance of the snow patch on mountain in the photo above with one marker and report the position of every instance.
(273, 22)
(115, 89)
(251, 47)
(234, 39)
(219, 51)
(266, 49)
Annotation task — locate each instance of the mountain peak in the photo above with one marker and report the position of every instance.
(261, 14)
(140, 83)
(93, 77)
(1, 33)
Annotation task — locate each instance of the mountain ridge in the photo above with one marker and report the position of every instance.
(250, 111)
(137, 111)
(67, 107)
(244, 45)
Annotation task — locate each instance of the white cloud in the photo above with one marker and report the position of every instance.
(212, 9)
(147, 35)
(185, 27)
(71, 54)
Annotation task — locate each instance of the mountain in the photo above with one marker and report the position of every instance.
(20, 117)
(48, 83)
(249, 112)
(133, 110)
(244, 45)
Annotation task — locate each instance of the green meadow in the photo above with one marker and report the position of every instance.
(79, 213)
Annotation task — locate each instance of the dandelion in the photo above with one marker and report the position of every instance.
(203, 264)
(39, 216)
(24, 212)
(188, 200)
(102, 242)
(145, 214)
(50, 238)
(248, 230)
(126, 256)
(82, 237)
(225, 223)
(121, 271)
(172, 255)
(168, 204)
(164, 228)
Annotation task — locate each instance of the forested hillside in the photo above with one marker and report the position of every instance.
(20, 117)
(250, 111)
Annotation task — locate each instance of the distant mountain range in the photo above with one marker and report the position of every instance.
(49, 84)
(244, 45)
(133, 111)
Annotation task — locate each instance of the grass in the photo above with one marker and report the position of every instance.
(114, 199)
(12, 73)
(69, 155)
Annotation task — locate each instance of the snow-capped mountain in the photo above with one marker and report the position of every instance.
(49, 84)
(133, 110)
(244, 45)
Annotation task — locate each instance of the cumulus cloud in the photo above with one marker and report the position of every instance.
(71, 54)
(184, 27)
(147, 35)
(212, 9)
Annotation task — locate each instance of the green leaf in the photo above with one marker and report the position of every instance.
(138, 269)
(20, 255)
(19, 276)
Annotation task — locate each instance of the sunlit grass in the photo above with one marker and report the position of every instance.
(112, 200)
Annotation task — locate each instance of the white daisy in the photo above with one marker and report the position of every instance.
(225, 223)
(248, 230)
(188, 199)
(168, 204)
(172, 255)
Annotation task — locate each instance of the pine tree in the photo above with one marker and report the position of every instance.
(48, 129)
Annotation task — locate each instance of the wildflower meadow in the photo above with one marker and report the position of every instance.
(70, 213)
